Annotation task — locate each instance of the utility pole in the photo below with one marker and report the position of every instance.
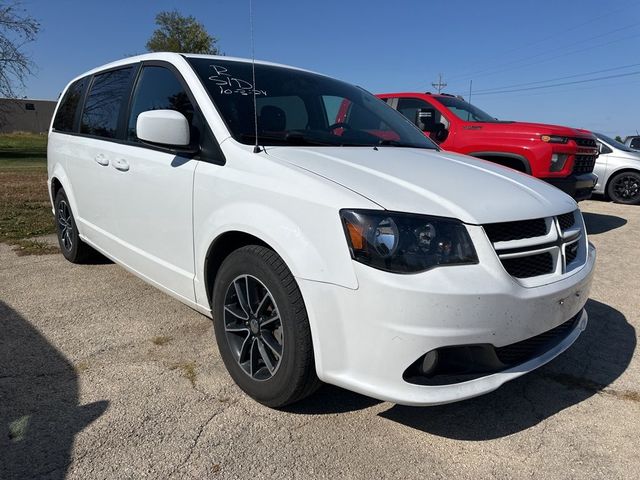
(440, 85)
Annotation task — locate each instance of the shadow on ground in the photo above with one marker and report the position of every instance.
(597, 223)
(39, 411)
(599, 356)
(329, 400)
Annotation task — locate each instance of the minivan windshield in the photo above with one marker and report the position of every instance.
(296, 107)
(615, 143)
(464, 110)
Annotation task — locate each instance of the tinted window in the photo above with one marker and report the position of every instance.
(635, 143)
(158, 89)
(613, 143)
(104, 102)
(465, 111)
(67, 111)
(430, 116)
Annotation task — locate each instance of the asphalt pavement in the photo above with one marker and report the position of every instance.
(103, 376)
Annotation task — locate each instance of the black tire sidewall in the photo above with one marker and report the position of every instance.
(611, 189)
(276, 390)
(72, 253)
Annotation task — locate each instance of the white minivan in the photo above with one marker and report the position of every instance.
(355, 253)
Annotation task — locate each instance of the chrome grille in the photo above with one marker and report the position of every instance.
(504, 232)
(530, 266)
(571, 252)
(537, 250)
(566, 220)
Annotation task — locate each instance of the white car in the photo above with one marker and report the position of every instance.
(618, 171)
(355, 253)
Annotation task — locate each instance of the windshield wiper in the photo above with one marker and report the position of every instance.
(396, 143)
(288, 139)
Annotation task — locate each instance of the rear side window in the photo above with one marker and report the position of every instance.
(68, 109)
(104, 103)
(158, 89)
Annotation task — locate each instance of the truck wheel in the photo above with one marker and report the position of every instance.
(261, 327)
(72, 248)
(624, 187)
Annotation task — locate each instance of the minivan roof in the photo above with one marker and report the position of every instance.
(171, 56)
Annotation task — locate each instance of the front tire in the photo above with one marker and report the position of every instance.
(262, 329)
(71, 246)
(624, 187)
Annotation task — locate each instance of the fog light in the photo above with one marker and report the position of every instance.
(429, 363)
(557, 162)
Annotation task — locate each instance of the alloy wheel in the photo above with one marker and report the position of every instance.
(627, 187)
(253, 327)
(65, 224)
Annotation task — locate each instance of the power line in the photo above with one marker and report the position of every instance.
(564, 32)
(558, 78)
(576, 82)
(439, 85)
(573, 52)
(605, 84)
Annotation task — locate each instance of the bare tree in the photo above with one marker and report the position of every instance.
(17, 28)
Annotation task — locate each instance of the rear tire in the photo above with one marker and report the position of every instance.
(262, 329)
(624, 187)
(71, 246)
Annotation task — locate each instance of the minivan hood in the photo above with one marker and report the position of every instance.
(432, 182)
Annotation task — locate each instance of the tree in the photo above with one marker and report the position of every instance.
(177, 33)
(618, 138)
(17, 29)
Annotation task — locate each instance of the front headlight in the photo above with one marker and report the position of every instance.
(406, 243)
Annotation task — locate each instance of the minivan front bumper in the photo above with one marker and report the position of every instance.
(365, 339)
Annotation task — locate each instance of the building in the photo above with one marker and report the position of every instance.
(25, 115)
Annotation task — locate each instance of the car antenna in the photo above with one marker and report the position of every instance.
(256, 147)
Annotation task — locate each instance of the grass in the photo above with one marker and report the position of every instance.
(161, 340)
(25, 211)
(188, 370)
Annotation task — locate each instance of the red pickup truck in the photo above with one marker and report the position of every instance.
(562, 156)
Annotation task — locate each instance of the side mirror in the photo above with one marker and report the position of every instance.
(603, 149)
(164, 128)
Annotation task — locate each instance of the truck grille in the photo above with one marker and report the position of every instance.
(584, 164)
(539, 247)
(585, 142)
(585, 159)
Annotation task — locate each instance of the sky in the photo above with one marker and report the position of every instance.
(511, 50)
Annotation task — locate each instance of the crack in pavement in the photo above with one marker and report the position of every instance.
(196, 440)
(591, 386)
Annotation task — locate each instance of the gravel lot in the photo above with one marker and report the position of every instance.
(102, 376)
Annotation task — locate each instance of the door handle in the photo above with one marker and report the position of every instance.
(121, 164)
(101, 159)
